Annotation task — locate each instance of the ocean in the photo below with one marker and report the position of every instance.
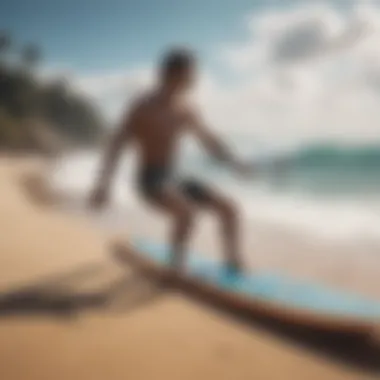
(322, 190)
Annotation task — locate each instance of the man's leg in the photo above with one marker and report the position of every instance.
(182, 211)
(229, 219)
(228, 215)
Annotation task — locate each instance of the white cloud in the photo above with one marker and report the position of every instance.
(311, 72)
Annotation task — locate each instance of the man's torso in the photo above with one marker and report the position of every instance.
(158, 131)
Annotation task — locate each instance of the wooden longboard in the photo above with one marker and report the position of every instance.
(266, 294)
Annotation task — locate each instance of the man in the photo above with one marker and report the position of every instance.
(154, 125)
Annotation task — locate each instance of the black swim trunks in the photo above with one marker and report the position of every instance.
(151, 181)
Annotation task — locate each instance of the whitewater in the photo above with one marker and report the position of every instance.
(322, 193)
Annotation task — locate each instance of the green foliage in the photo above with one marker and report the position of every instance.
(70, 113)
(26, 105)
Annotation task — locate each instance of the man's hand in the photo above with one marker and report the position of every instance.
(98, 198)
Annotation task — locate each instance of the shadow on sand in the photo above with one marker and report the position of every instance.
(58, 296)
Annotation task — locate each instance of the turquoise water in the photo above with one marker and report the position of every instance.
(364, 157)
(328, 168)
(316, 169)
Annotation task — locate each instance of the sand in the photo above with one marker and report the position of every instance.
(55, 323)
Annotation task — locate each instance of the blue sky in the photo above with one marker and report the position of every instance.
(285, 57)
(100, 34)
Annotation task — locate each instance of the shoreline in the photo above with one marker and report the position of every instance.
(346, 265)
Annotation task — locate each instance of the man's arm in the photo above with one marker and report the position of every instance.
(212, 143)
(112, 154)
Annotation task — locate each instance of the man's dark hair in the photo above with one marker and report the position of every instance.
(176, 60)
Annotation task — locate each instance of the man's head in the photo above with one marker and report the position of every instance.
(178, 69)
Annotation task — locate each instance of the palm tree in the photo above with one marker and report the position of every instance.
(30, 55)
(5, 40)
(5, 44)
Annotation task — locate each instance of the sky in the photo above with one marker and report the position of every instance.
(100, 34)
(281, 71)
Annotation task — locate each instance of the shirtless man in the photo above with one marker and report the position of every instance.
(154, 125)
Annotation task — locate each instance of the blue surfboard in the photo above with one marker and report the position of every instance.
(276, 294)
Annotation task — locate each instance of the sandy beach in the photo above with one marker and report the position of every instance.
(58, 321)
